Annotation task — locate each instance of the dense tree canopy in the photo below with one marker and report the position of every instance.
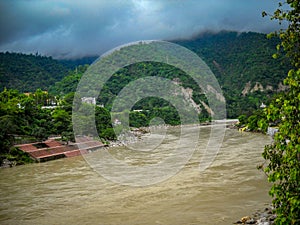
(27, 73)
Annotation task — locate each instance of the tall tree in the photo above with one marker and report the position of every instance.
(283, 154)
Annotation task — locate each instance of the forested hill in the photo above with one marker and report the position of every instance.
(237, 58)
(27, 73)
(243, 65)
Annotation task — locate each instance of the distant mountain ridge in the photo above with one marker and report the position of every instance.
(73, 63)
(242, 63)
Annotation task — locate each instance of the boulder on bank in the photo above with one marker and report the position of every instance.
(260, 217)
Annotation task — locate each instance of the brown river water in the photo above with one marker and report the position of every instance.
(69, 191)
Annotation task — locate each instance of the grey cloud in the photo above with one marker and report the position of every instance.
(64, 28)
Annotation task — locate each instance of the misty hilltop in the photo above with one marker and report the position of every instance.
(75, 29)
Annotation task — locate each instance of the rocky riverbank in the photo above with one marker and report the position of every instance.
(6, 163)
(134, 134)
(260, 217)
(129, 137)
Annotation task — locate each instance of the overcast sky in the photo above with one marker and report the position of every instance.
(76, 28)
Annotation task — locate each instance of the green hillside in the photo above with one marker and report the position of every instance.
(237, 58)
(242, 63)
(28, 73)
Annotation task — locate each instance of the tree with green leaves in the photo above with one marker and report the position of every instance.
(283, 155)
(8, 127)
(61, 120)
(104, 124)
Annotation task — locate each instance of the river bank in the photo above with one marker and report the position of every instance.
(135, 134)
(130, 137)
(264, 216)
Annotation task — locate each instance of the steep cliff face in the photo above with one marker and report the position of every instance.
(250, 88)
(188, 96)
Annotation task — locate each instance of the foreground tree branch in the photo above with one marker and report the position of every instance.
(283, 155)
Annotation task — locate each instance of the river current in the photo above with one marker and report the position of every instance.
(70, 191)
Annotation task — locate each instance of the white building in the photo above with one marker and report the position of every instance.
(90, 100)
